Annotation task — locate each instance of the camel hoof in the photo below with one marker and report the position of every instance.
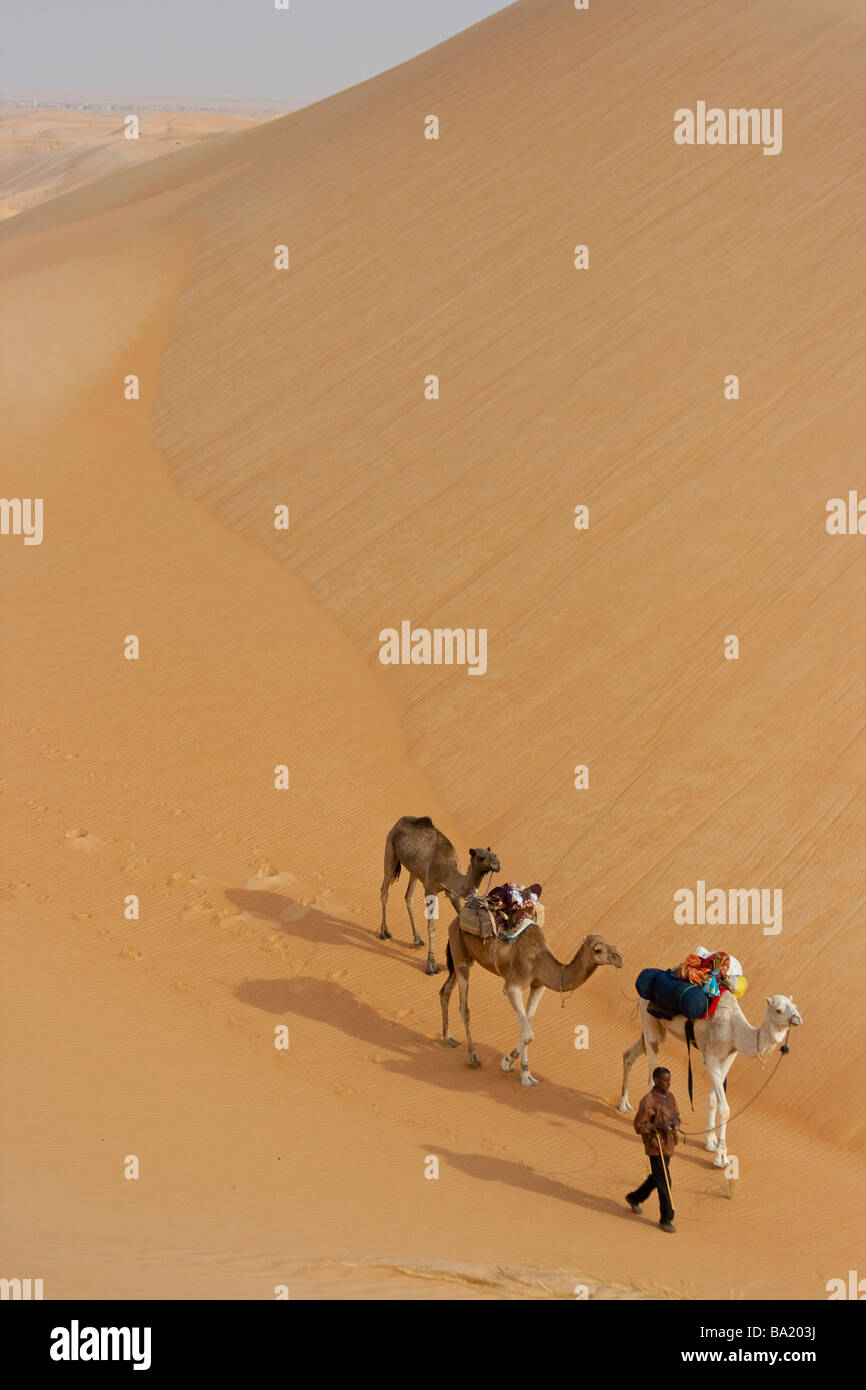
(506, 1064)
(711, 1145)
(624, 1108)
(452, 1042)
(384, 934)
(474, 1061)
(413, 945)
(527, 1079)
(433, 968)
(720, 1160)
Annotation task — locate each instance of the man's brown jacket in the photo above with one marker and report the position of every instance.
(657, 1113)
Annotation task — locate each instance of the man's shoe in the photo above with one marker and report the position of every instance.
(668, 1226)
(635, 1206)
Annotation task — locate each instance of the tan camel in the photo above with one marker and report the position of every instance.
(526, 964)
(431, 859)
(719, 1038)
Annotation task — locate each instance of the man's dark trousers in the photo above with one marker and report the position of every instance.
(656, 1180)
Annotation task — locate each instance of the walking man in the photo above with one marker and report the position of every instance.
(656, 1121)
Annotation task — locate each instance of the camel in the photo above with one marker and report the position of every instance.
(719, 1038)
(526, 964)
(431, 859)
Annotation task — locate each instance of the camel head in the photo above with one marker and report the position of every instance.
(782, 1011)
(484, 861)
(602, 951)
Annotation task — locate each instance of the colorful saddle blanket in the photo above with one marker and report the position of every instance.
(511, 933)
(505, 913)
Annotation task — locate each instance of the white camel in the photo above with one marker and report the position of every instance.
(719, 1038)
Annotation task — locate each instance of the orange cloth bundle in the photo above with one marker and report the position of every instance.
(698, 969)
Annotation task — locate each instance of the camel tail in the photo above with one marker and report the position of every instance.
(391, 856)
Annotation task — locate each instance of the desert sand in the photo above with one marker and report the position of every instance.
(259, 907)
(44, 153)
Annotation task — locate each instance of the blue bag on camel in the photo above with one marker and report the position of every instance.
(670, 995)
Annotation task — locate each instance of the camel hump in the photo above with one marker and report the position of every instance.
(418, 820)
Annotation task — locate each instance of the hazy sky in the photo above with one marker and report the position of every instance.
(239, 49)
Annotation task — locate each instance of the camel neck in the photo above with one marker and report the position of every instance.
(768, 1037)
(570, 975)
(752, 1041)
(461, 884)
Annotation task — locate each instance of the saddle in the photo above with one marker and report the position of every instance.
(504, 914)
(481, 916)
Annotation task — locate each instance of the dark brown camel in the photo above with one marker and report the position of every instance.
(430, 859)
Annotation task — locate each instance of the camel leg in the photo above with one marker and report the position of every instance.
(651, 1048)
(463, 986)
(514, 995)
(430, 891)
(711, 1143)
(629, 1057)
(653, 1037)
(719, 1074)
(455, 951)
(533, 1001)
(392, 865)
(532, 1004)
(410, 889)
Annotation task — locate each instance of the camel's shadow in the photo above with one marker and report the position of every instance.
(420, 1057)
(317, 926)
(324, 1001)
(556, 1103)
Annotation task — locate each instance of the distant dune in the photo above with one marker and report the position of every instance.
(46, 152)
(155, 1035)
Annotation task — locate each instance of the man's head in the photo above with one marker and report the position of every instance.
(661, 1079)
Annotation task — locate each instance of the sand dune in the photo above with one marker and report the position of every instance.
(259, 647)
(45, 153)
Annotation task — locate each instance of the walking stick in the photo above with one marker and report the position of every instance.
(665, 1169)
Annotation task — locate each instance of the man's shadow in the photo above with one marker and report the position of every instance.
(485, 1168)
